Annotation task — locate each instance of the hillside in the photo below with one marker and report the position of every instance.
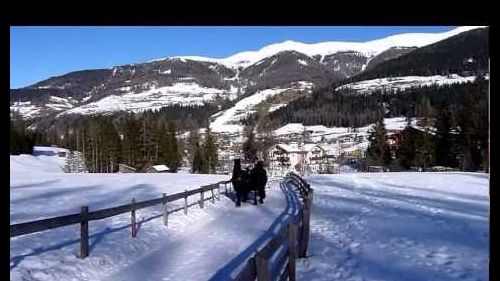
(198, 81)
(465, 54)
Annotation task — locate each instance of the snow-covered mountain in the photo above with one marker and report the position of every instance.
(323, 49)
(195, 80)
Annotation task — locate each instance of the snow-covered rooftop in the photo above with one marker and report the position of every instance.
(160, 168)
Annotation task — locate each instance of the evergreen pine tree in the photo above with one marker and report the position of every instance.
(444, 153)
(210, 153)
(249, 146)
(130, 142)
(170, 147)
(378, 151)
(406, 151)
(426, 147)
(198, 162)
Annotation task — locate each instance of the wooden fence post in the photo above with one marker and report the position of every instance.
(84, 232)
(212, 191)
(134, 228)
(201, 200)
(185, 202)
(300, 232)
(292, 250)
(262, 267)
(165, 210)
(306, 221)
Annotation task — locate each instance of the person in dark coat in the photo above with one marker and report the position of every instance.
(258, 178)
(238, 181)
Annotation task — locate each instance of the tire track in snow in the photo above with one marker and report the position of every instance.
(342, 229)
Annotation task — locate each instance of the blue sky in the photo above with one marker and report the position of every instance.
(37, 53)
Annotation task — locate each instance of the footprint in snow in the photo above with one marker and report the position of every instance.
(355, 247)
(352, 263)
(325, 251)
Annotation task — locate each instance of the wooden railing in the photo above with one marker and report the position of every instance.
(289, 243)
(85, 216)
(276, 259)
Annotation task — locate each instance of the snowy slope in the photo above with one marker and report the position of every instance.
(398, 226)
(179, 80)
(228, 120)
(155, 98)
(370, 48)
(393, 84)
(25, 109)
(43, 160)
(396, 123)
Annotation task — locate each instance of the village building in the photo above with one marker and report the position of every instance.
(157, 169)
(284, 158)
(122, 168)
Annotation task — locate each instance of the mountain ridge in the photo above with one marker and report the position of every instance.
(188, 80)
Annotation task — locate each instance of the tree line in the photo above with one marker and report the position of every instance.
(21, 140)
(138, 140)
(453, 131)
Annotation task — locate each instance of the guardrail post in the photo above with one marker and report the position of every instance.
(84, 232)
(218, 191)
(134, 227)
(185, 202)
(201, 199)
(262, 267)
(213, 198)
(292, 250)
(165, 210)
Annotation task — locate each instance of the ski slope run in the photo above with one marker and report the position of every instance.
(398, 226)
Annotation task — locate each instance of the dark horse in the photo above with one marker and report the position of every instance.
(258, 181)
(240, 181)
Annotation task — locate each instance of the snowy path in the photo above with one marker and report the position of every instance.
(399, 226)
(196, 249)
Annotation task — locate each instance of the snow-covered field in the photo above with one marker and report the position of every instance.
(375, 226)
(193, 247)
(393, 84)
(398, 226)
